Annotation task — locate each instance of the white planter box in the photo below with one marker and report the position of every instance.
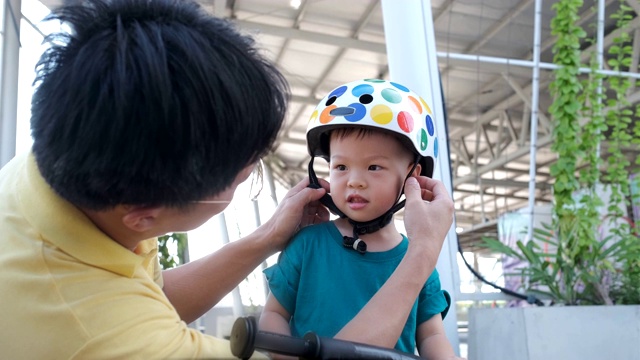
(556, 332)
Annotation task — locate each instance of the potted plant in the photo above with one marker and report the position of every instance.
(589, 279)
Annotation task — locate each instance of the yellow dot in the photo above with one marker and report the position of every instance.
(381, 114)
(425, 105)
(314, 116)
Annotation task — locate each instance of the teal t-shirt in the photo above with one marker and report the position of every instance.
(323, 285)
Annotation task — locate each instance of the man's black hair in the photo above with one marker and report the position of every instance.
(150, 102)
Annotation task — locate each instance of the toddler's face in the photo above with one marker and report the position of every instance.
(367, 173)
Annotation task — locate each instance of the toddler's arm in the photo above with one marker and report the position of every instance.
(275, 319)
(432, 340)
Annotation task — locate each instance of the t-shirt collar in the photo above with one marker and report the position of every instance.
(68, 228)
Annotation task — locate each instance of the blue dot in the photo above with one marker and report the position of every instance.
(403, 88)
(430, 126)
(364, 89)
(435, 148)
(338, 92)
(360, 112)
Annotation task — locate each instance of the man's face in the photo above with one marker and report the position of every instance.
(201, 211)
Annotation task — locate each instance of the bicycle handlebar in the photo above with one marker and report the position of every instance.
(245, 338)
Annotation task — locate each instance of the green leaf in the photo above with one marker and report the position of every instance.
(499, 247)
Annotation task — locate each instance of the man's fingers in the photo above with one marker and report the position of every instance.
(324, 184)
(412, 188)
(418, 188)
(323, 213)
(301, 189)
(436, 188)
(427, 195)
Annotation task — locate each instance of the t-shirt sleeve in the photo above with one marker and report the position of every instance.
(132, 319)
(284, 276)
(157, 274)
(433, 300)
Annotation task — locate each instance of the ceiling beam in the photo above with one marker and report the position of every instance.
(286, 32)
(493, 165)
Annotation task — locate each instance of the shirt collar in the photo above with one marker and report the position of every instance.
(65, 226)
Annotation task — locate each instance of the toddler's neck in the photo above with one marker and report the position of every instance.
(382, 240)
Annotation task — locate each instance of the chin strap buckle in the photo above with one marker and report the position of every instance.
(355, 244)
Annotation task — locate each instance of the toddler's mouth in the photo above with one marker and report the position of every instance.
(356, 199)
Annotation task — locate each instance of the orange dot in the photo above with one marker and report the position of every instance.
(416, 104)
(325, 117)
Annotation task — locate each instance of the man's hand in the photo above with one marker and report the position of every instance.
(428, 212)
(299, 208)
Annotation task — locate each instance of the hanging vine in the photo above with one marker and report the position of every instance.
(619, 119)
(587, 267)
(565, 110)
(597, 268)
(566, 107)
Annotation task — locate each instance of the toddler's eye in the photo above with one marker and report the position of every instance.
(374, 167)
(340, 167)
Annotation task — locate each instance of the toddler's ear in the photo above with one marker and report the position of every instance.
(416, 171)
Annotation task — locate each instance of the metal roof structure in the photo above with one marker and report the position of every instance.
(486, 60)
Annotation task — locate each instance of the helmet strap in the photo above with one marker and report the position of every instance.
(326, 199)
(360, 227)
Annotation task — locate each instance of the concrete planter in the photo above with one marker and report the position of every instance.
(549, 333)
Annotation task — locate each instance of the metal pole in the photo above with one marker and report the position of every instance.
(600, 56)
(411, 52)
(272, 184)
(263, 265)
(9, 79)
(238, 308)
(535, 85)
(529, 64)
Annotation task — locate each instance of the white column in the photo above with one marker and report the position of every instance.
(533, 133)
(411, 52)
(238, 307)
(9, 58)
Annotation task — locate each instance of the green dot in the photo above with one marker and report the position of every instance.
(392, 96)
(423, 139)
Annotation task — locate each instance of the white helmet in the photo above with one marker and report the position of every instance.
(377, 104)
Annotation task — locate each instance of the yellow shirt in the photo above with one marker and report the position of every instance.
(68, 291)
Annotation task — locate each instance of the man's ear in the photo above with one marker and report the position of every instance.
(141, 219)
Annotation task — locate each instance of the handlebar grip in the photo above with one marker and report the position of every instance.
(329, 348)
(245, 338)
(286, 345)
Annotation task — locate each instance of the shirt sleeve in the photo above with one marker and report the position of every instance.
(433, 300)
(133, 320)
(284, 276)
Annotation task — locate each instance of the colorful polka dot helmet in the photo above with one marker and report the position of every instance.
(378, 104)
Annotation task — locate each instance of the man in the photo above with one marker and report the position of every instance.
(146, 117)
